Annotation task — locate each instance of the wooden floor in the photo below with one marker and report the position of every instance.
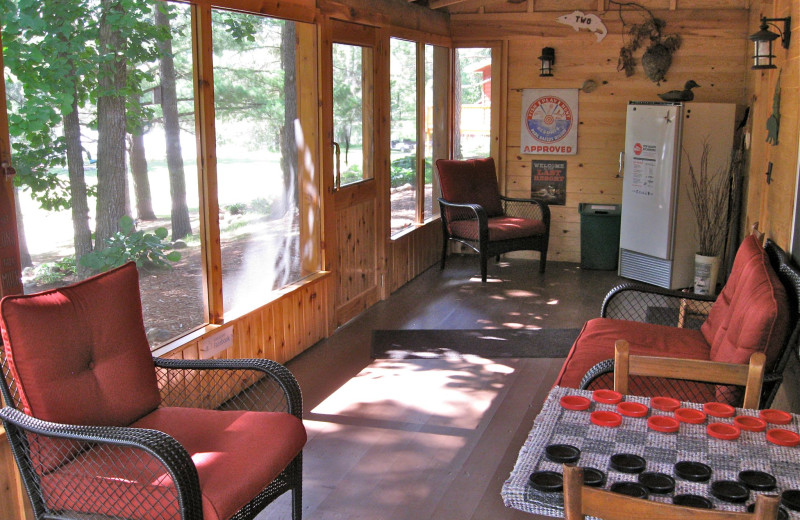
(432, 439)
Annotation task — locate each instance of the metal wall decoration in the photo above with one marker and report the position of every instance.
(774, 121)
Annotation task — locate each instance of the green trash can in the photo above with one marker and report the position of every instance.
(599, 235)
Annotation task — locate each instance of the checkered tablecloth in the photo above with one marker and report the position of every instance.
(556, 425)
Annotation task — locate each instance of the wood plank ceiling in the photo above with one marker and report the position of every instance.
(439, 4)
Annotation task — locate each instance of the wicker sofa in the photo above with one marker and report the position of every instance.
(756, 311)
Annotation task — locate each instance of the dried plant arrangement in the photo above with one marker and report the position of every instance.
(708, 194)
(657, 56)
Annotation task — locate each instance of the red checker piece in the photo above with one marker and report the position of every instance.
(665, 404)
(663, 423)
(719, 409)
(726, 432)
(606, 418)
(631, 409)
(750, 423)
(690, 415)
(606, 396)
(575, 402)
(783, 437)
(775, 416)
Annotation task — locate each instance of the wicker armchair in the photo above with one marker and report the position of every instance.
(648, 304)
(100, 429)
(474, 213)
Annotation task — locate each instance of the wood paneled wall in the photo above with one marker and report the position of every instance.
(772, 204)
(279, 330)
(411, 253)
(713, 53)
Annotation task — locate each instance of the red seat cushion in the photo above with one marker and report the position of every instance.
(500, 228)
(237, 454)
(79, 354)
(751, 313)
(473, 181)
(596, 341)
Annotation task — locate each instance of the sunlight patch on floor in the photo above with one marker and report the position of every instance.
(451, 392)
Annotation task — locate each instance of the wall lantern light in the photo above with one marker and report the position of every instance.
(548, 57)
(763, 39)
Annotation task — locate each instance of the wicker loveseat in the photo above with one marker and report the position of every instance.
(756, 311)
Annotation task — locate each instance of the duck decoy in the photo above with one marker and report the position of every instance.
(680, 95)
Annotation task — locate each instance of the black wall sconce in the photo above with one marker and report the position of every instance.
(763, 39)
(548, 57)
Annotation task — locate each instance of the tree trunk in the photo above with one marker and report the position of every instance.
(141, 182)
(24, 254)
(82, 234)
(288, 140)
(181, 225)
(111, 181)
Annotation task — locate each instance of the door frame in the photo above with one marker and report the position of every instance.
(336, 200)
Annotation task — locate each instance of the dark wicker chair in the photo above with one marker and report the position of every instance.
(474, 213)
(232, 433)
(636, 302)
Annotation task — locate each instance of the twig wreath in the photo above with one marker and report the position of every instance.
(657, 56)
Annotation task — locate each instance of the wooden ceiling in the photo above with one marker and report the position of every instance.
(521, 6)
(439, 4)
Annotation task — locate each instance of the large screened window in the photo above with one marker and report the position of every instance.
(437, 122)
(419, 131)
(256, 88)
(404, 179)
(103, 121)
(473, 103)
(352, 86)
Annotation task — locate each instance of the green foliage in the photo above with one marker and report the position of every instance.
(352, 174)
(237, 208)
(261, 206)
(52, 272)
(404, 171)
(53, 65)
(128, 244)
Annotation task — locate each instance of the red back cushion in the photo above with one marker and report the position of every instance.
(751, 313)
(79, 354)
(473, 181)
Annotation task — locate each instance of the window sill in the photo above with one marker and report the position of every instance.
(414, 227)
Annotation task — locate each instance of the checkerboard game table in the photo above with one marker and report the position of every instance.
(751, 451)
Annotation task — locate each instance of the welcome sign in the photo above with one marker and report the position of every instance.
(549, 121)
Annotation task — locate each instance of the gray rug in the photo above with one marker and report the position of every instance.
(488, 343)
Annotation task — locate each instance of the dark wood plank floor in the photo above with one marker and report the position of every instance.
(433, 439)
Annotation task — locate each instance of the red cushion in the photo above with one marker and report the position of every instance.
(596, 341)
(473, 181)
(237, 455)
(79, 354)
(500, 228)
(751, 313)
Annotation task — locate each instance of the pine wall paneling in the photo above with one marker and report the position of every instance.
(772, 205)
(713, 54)
(413, 252)
(14, 503)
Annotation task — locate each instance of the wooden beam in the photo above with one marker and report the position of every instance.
(438, 4)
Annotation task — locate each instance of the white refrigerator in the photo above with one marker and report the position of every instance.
(658, 239)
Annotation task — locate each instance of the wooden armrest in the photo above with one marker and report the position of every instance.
(750, 376)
